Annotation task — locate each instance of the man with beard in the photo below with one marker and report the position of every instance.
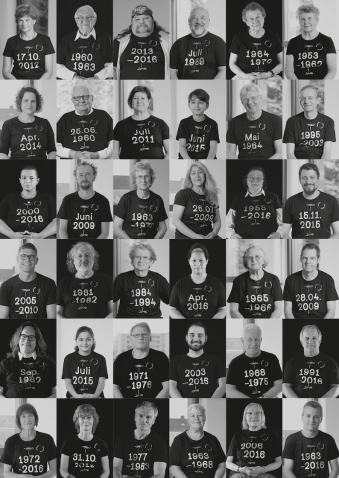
(311, 213)
(310, 292)
(312, 373)
(255, 373)
(85, 213)
(200, 55)
(197, 374)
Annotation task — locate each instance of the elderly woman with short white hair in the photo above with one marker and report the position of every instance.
(310, 55)
(140, 213)
(255, 293)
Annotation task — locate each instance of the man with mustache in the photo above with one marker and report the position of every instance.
(85, 213)
(312, 214)
(197, 374)
(311, 373)
(200, 55)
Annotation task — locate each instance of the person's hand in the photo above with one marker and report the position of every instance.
(89, 395)
(78, 155)
(199, 236)
(211, 235)
(235, 236)
(264, 75)
(78, 77)
(245, 469)
(90, 155)
(20, 235)
(251, 76)
(274, 235)
(256, 470)
(35, 235)
(92, 78)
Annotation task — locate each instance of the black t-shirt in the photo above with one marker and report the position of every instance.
(139, 456)
(309, 56)
(198, 135)
(27, 140)
(256, 216)
(29, 457)
(256, 297)
(84, 371)
(85, 298)
(256, 55)
(85, 456)
(253, 376)
(255, 448)
(28, 56)
(197, 457)
(28, 300)
(255, 139)
(141, 139)
(91, 132)
(198, 300)
(310, 455)
(309, 297)
(142, 59)
(141, 216)
(32, 215)
(309, 136)
(140, 296)
(197, 377)
(140, 378)
(311, 218)
(27, 377)
(85, 56)
(85, 216)
(311, 376)
(198, 215)
(198, 58)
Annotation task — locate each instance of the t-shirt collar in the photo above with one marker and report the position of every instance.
(84, 37)
(254, 195)
(83, 115)
(33, 355)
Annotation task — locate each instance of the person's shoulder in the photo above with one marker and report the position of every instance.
(126, 435)
(328, 197)
(271, 117)
(45, 436)
(43, 195)
(154, 195)
(183, 281)
(295, 359)
(45, 279)
(71, 356)
(180, 438)
(238, 359)
(182, 193)
(98, 112)
(269, 275)
(43, 121)
(156, 119)
(214, 37)
(183, 39)
(124, 275)
(14, 39)
(157, 353)
(214, 280)
(325, 436)
(326, 357)
(158, 438)
(12, 281)
(67, 116)
(268, 355)
(71, 197)
(41, 36)
(295, 40)
(294, 437)
(97, 355)
(210, 120)
(271, 195)
(13, 439)
(99, 196)
(155, 275)
(102, 276)
(211, 357)
(129, 195)
(164, 36)
(294, 197)
(70, 36)
(12, 121)
(239, 118)
(210, 436)
(323, 275)
(241, 277)
(177, 359)
(324, 37)
(296, 118)
(127, 355)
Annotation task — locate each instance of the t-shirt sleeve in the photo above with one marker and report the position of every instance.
(289, 372)
(117, 368)
(63, 210)
(277, 43)
(60, 294)
(332, 448)
(287, 217)
(103, 368)
(121, 209)
(106, 212)
(117, 132)
(165, 130)
(61, 128)
(232, 449)
(276, 202)
(235, 292)
(232, 373)
(291, 47)
(289, 449)
(235, 45)
(214, 135)
(3, 382)
(49, 49)
(221, 295)
(66, 449)
(51, 293)
(220, 47)
(174, 56)
(5, 139)
(160, 454)
(7, 454)
(289, 136)
(163, 365)
(164, 289)
(173, 369)
(109, 284)
(51, 206)
(119, 448)
(61, 53)
(220, 368)
(118, 288)
(175, 452)
(330, 131)
(66, 369)
(334, 372)
(276, 369)
(162, 211)
(4, 295)
(116, 45)
(52, 451)
(50, 138)
(221, 457)
(4, 207)
(109, 128)
(174, 300)
(331, 293)
(277, 292)
(287, 290)
(331, 46)
(8, 51)
(181, 198)
(182, 130)
(277, 125)
(335, 210)
(230, 135)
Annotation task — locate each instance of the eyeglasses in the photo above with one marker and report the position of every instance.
(146, 177)
(139, 336)
(255, 178)
(31, 338)
(251, 98)
(82, 19)
(251, 258)
(25, 257)
(84, 97)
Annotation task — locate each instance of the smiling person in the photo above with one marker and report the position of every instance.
(17, 457)
(310, 55)
(28, 295)
(310, 448)
(142, 135)
(140, 290)
(186, 444)
(256, 54)
(254, 436)
(255, 293)
(29, 55)
(256, 134)
(85, 53)
(153, 459)
(85, 420)
(200, 55)
(85, 292)
(84, 213)
(84, 370)
(140, 371)
(86, 132)
(27, 136)
(27, 371)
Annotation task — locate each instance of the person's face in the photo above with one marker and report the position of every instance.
(254, 19)
(253, 416)
(310, 342)
(142, 260)
(309, 101)
(85, 20)
(27, 260)
(85, 177)
(81, 99)
(251, 101)
(311, 418)
(198, 263)
(197, 107)
(26, 24)
(144, 419)
(142, 25)
(251, 342)
(27, 341)
(255, 259)
(196, 338)
(140, 102)
(140, 338)
(308, 22)
(28, 179)
(197, 176)
(83, 259)
(309, 181)
(86, 423)
(28, 103)
(195, 419)
(255, 181)
(309, 260)
(199, 22)
(143, 179)
(85, 342)
(27, 421)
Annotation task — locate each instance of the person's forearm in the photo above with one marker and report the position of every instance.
(174, 392)
(276, 156)
(161, 232)
(63, 234)
(290, 474)
(177, 472)
(330, 75)
(173, 75)
(234, 393)
(212, 152)
(276, 314)
(116, 392)
(59, 316)
(109, 315)
(274, 391)
(49, 230)
(8, 76)
(5, 230)
(163, 393)
(216, 227)
(46, 76)
(221, 314)
(117, 473)
(184, 229)
(290, 74)
(329, 314)
(235, 314)
(221, 75)
(232, 155)
(71, 390)
(175, 314)
(120, 233)
(4, 156)
(99, 389)
(219, 392)
(334, 236)
(104, 474)
(220, 471)
(332, 393)
(272, 466)
(288, 392)
(237, 71)
(326, 155)
(288, 314)
(103, 235)
(183, 152)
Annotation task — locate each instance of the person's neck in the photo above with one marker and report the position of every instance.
(85, 436)
(257, 33)
(254, 116)
(84, 112)
(253, 355)
(86, 193)
(199, 36)
(29, 194)
(87, 34)
(140, 115)
(28, 435)
(254, 429)
(257, 275)
(199, 118)
(311, 114)
(195, 434)
(198, 279)
(25, 118)
(28, 35)
(84, 275)
(195, 353)
(140, 353)
(257, 192)
(143, 193)
(309, 434)
(84, 354)
(310, 35)
(140, 434)
(311, 196)
(310, 355)
(309, 275)
(27, 276)
(199, 189)
(140, 273)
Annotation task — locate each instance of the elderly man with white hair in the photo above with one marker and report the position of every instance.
(254, 373)
(256, 293)
(85, 53)
(256, 133)
(200, 55)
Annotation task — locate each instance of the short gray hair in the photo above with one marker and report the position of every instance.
(88, 7)
(198, 407)
(308, 8)
(313, 404)
(244, 259)
(249, 327)
(141, 324)
(308, 327)
(249, 87)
